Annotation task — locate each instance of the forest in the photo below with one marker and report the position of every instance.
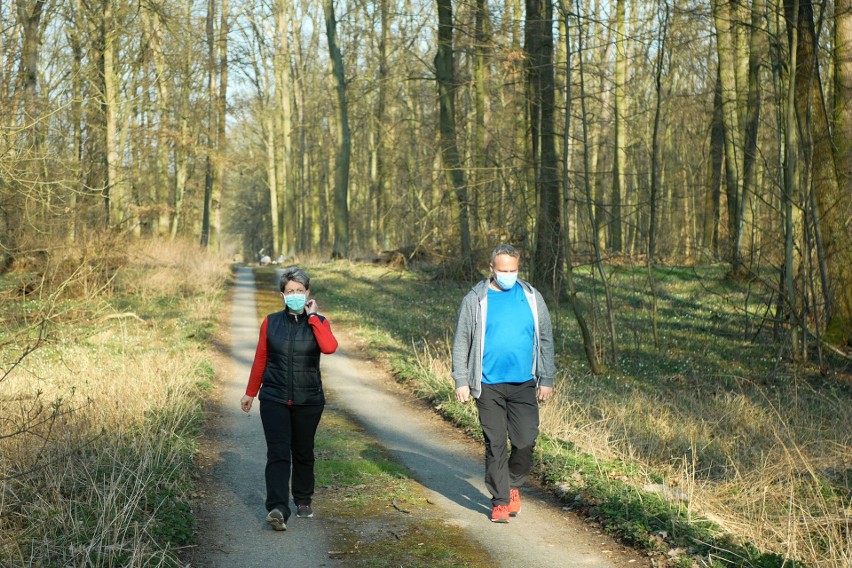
(600, 137)
(586, 133)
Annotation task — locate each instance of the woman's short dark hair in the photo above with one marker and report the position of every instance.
(296, 274)
(504, 249)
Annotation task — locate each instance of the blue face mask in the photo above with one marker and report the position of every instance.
(296, 302)
(506, 280)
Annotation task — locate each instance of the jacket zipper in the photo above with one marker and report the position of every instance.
(290, 376)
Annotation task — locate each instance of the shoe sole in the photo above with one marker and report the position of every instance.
(276, 523)
(304, 516)
(515, 513)
(502, 521)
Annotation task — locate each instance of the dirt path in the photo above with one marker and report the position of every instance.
(231, 527)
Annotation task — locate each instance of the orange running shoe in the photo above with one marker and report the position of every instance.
(514, 502)
(500, 514)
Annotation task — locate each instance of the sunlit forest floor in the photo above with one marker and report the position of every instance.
(715, 444)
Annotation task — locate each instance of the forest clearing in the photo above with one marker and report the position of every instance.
(677, 175)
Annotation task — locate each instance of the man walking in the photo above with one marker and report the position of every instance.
(503, 356)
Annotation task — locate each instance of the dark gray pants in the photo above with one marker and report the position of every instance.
(508, 409)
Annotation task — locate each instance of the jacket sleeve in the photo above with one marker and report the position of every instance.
(463, 341)
(547, 365)
(322, 332)
(259, 365)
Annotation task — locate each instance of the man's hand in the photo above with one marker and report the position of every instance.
(463, 394)
(543, 393)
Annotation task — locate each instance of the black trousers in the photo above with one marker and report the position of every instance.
(289, 432)
(507, 409)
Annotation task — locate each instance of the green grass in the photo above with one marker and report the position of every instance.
(718, 410)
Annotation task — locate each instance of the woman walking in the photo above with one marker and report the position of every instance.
(285, 377)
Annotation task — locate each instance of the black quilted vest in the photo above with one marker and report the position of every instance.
(292, 374)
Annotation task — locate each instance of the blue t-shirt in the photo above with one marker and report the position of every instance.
(509, 337)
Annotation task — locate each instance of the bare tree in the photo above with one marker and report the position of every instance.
(538, 46)
(445, 75)
(344, 140)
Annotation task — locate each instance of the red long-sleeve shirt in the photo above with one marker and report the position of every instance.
(322, 332)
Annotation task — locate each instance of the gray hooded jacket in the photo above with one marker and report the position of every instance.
(469, 340)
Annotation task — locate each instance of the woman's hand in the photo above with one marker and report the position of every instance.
(245, 403)
(311, 307)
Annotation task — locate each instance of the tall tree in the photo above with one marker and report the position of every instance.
(29, 17)
(758, 47)
(340, 249)
(573, 300)
(445, 75)
(791, 188)
(842, 111)
(619, 162)
(590, 209)
(726, 46)
(378, 176)
(538, 46)
(842, 116)
(282, 124)
(221, 111)
(712, 198)
(832, 203)
(212, 129)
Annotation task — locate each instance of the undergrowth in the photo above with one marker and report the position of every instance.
(103, 377)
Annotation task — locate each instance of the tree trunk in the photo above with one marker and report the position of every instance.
(538, 46)
(613, 339)
(480, 177)
(588, 338)
(712, 198)
(842, 115)
(153, 35)
(378, 175)
(112, 192)
(288, 214)
(791, 178)
(29, 17)
(209, 169)
(723, 16)
(842, 111)
(445, 76)
(833, 204)
(655, 170)
(75, 39)
(221, 121)
(620, 151)
(340, 248)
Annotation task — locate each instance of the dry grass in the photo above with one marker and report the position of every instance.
(760, 467)
(97, 423)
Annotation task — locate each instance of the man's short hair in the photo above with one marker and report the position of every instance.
(504, 249)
